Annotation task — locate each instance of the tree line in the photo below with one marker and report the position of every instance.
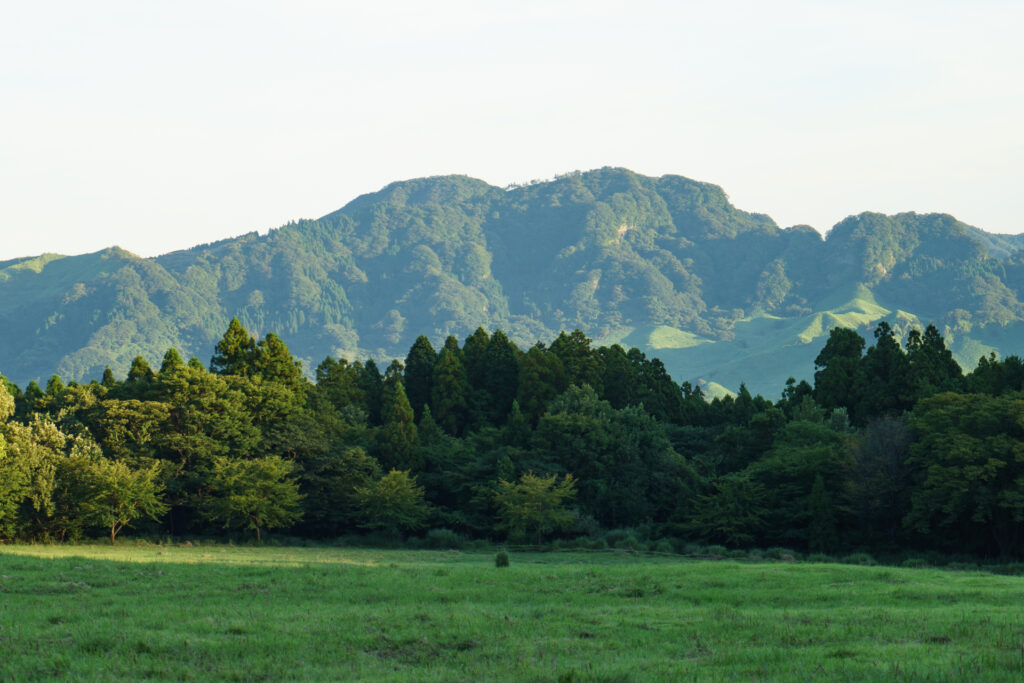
(891, 447)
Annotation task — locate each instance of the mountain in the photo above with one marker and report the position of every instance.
(666, 264)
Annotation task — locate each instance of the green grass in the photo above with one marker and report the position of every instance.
(219, 612)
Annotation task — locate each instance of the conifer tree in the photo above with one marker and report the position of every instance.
(541, 378)
(419, 374)
(582, 364)
(372, 385)
(272, 361)
(473, 357)
(140, 372)
(235, 352)
(501, 377)
(172, 360)
(450, 393)
(396, 442)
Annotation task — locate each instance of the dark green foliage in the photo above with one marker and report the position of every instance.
(252, 494)
(450, 393)
(970, 462)
(821, 534)
(263, 447)
(172, 360)
(235, 352)
(419, 374)
(838, 378)
(501, 559)
(542, 377)
(396, 442)
(393, 504)
(140, 372)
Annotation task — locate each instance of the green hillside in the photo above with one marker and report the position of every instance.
(665, 264)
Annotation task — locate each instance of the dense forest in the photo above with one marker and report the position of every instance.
(891, 447)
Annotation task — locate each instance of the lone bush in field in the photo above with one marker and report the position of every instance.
(501, 559)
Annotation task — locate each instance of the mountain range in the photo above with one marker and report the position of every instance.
(665, 264)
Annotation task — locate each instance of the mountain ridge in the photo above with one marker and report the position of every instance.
(622, 256)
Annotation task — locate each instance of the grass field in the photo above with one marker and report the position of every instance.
(244, 613)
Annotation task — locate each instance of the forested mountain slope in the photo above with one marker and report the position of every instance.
(665, 264)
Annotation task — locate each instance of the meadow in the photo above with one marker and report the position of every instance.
(218, 612)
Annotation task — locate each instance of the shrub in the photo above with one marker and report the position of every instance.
(716, 551)
(782, 554)
(663, 546)
(862, 559)
(443, 539)
(914, 563)
(616, 537)
(962, 566)
(738, 554)
(820, 558)
(501, 559)
(599, 544)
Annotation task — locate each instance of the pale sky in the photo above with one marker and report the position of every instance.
(159, 125)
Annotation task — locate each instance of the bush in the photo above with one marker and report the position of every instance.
(914, 563)
(820, 558)
(445, 539)
(663, 546)
(784, 554)
(1011, 569)
(862, 559)
(716, 551)
(738, 554)
(616, 537)
(962, 566)
(598, 544)
(501, 559)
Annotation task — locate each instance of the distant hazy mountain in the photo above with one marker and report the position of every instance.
(665, 264)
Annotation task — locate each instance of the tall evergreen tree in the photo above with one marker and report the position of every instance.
(541, 378)
(931, 365)
(172, 360)
(272, 361)
(235, 352)
(372, 385)
(450, 393)
(140, 372)
(419, 374)
(501, 377)
(473, 352)
(396, 441)
(886, 376)
(838, 375)
(582, 364)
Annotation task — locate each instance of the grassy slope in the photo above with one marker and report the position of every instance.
(244, 613)
(768, 349)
